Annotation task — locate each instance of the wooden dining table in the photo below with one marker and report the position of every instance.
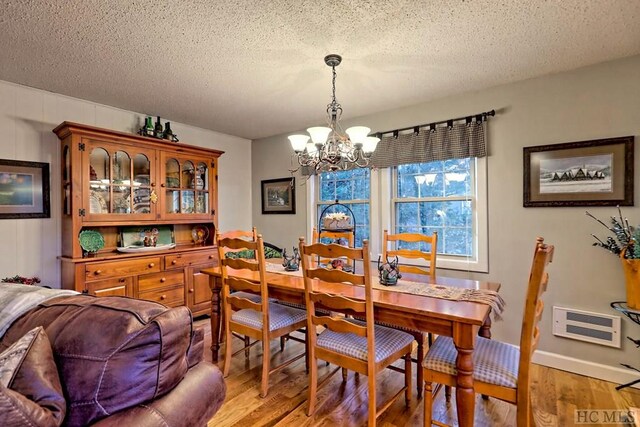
(461, 320)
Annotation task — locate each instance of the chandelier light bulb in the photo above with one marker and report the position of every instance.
(311, 148)
(319, 134)
(370, 144)
(358, 134)
(298, 142)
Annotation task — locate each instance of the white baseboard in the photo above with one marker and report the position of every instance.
(583, 367)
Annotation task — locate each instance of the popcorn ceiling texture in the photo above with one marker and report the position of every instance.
(255, 68)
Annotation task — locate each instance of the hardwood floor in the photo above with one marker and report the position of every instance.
(556, 395)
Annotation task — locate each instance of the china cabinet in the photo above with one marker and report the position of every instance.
(154, 203)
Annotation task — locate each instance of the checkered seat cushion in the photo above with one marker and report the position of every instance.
(401, 328)
(292, 304)
(387, 341)
(494, 362)
(279, 317)
(250, 296)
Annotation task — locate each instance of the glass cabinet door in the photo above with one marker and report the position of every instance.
(119, 183)
(186, 183)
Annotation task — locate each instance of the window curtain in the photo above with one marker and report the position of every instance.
(442, 143)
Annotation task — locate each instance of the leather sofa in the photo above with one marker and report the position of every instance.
(125, 362)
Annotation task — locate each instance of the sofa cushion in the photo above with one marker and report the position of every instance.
(112, 353)
(30, 390)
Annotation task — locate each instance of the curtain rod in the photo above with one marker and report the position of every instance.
(479, 118)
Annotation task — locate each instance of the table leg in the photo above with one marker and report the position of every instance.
(463, 338)
(485, 329)
(215, 318)
(485, 332)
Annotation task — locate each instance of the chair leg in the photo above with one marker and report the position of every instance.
(266, 367)
(447, 393)
(373, 407)
(345, 373)
(407, 378)
(247, 342)
(313, 385)
(428, 404)
(227, 351)
(283, 339)
(306, 350)
(420, 375)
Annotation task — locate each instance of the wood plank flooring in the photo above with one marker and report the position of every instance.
(556, 394)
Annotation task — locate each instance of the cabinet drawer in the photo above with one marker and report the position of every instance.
(102, 270)
(172, 297)
(165, 279)
(185, 260)
(111, 287)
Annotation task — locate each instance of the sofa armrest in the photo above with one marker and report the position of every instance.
(191, 403)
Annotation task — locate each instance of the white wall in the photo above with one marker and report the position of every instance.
(27, 116)
(589, 103)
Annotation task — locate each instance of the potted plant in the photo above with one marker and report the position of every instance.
(624, 243)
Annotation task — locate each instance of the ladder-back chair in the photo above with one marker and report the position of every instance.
(259, 320)
(430, 256)
(361, 346)
(334, 236)
(500, 370)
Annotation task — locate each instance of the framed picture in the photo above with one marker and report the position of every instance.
(24, 189)
(585, 173)
(279, 196)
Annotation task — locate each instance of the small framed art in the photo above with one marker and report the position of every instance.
(585, 173)
(24, 189)
(279, 196)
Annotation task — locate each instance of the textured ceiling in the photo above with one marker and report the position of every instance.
(255, 68)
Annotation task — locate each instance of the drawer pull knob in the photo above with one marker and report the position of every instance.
(174, 262)
(151, 265)
(163, 280)
(191, 290)
(97, 272)
(210, 256)
(163, 297)
(122, 280)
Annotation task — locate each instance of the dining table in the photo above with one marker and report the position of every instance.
(461, 320)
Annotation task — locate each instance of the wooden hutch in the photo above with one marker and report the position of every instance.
(124, 187)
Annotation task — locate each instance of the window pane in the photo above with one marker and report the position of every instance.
(347, 186)
(433, 184)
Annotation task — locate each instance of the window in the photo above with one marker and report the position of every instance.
(352, 188)
(443, 196)
(437, 197)
(449, 197)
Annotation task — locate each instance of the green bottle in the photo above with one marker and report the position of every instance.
(157, 132)
(148, 126)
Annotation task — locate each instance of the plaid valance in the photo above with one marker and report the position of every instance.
(442, 143)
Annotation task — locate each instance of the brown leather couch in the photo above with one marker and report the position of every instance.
(125, 362)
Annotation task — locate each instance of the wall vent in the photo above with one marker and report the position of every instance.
(586, 326)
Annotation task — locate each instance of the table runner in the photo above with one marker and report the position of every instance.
(452, 293)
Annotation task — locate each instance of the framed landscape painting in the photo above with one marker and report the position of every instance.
(279, 196)
(585, 173)
(24, 189)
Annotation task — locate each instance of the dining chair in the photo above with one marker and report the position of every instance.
(500, 370)
(230, 253)
(408, 239)
(430, 256)
(334, 236)
(361, 346)
(260, 320)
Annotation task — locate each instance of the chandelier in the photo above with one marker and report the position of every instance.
(330, 149)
